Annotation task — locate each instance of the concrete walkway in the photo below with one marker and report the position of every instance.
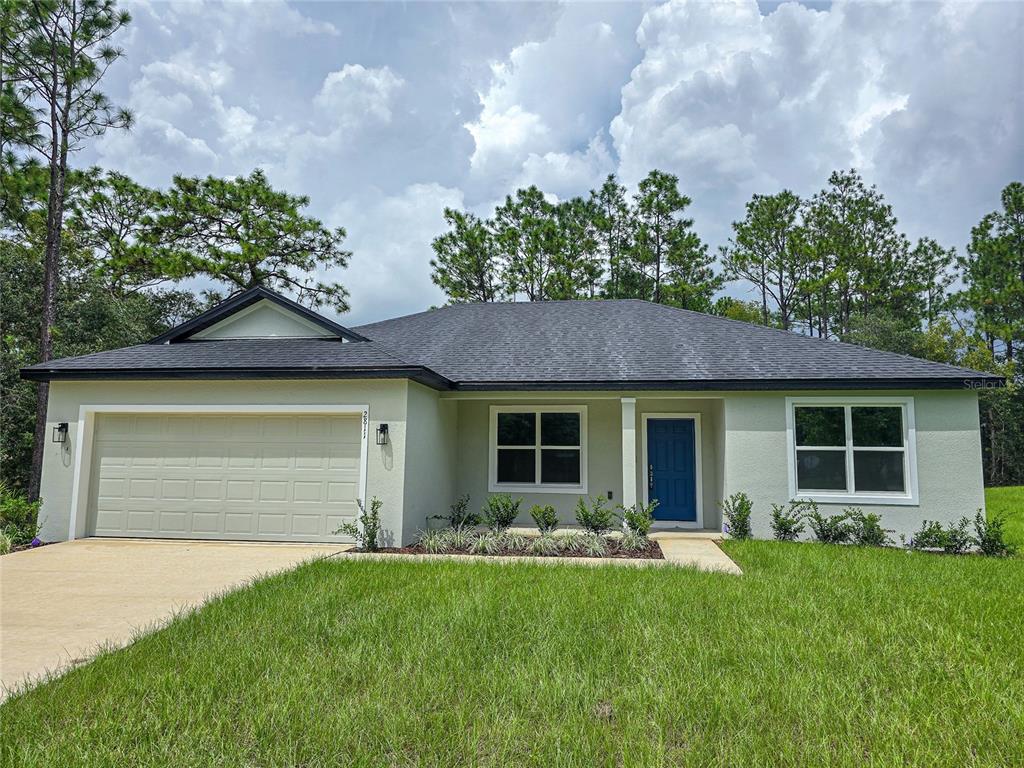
(60, 602)
(696, 550)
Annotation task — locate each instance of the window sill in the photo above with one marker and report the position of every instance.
(579, 490)
(855, 499)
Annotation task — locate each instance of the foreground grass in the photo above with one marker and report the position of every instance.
(1009, 503)
(817, 656)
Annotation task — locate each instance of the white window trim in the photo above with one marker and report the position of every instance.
(909, 498)
(494, 486)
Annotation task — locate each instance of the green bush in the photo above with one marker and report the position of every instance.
(501, 511)
(595, 517)
(866, 529)
(990, 537)
(458, 539)
(952, 539)
(433, 542)
(787, 523)
(513, 542)
(639, 518)
(828, 529)
(737, 510)
(591, 545)
(5, 543)
(633, 541)
(366, 529)
(19, 517)
(488, 543)
(544, 517)
(545, 545)
(459, 515)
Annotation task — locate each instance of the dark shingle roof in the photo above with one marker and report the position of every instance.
(238, 358)
(624, 344)
(572, 343)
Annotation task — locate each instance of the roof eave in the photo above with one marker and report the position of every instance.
(737, 385)
(415, 373)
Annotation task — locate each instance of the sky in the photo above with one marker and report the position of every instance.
(383, 114)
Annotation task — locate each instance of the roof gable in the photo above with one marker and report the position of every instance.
(257, 313)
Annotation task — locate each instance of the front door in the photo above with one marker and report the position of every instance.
(672, 469)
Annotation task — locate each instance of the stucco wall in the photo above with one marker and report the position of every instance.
(263, 319)
(948, 457)
(387, 402)
(431, 458)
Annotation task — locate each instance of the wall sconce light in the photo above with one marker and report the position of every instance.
(382, 434)
(60, 432)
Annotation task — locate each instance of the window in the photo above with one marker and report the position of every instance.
(861, 450)
(540, 448)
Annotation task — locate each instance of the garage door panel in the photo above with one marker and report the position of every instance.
(234, 477)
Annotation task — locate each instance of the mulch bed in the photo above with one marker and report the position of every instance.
(653, 552)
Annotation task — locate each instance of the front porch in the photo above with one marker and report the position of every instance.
(553, 448)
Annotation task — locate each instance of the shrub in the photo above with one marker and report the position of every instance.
(512, 542)
(459, 515)
(19, 517)
(5, 543)
(639, 517)
(458, 539)
(736, 511)
(544, 517)
(953, 539)
(433, 542)
(632, 541)
(591, 545)
(989, 536)
(488, 543)
(828, 529)
(866, 529)
(595, 517)
(787, 524)
(545, 545)
(501, 511)
(366, 529)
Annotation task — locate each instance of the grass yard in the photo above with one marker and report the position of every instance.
(1009, 502)
(819, 655)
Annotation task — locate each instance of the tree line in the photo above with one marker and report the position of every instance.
(92, 260)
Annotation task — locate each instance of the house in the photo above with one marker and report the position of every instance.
(263, 420)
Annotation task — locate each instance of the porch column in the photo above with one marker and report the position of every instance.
(628, 451)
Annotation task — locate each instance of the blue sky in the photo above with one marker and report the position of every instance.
(385, 113)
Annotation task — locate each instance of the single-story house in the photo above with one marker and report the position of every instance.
(263, 420)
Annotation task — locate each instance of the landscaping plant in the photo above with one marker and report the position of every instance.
(787, 523)
(990, 538)
(366, 529)
(433, 542)
(632, 541)
(596, 516)
(18, 517)
(828, 529)
(545, 545)
(544, 517)
(952, 539)
(736, 510)
(639, 517)
(459, 515)
(489, 543)
(866, 529)
(501, 511)
(513, 542)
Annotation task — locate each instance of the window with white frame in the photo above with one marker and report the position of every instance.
(857, 449)
(540, 448)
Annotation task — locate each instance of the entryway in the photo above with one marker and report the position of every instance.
(672, 466)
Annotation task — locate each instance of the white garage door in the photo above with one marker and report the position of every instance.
(216, 476)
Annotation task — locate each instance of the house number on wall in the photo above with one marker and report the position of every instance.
(366, 421)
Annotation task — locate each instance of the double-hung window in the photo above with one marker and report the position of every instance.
(860, 450)
(538, 448)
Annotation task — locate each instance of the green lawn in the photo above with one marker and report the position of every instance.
(819, 655)
(1009, 502)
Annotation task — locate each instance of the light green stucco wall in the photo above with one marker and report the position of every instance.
(948, 456)
(431, 458)
(387, 400)
(263, 319)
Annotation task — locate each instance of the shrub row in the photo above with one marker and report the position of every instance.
(490, 542)
(854, 526)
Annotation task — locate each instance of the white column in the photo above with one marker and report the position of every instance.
(628, 451)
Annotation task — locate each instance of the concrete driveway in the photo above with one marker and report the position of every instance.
(60, 602)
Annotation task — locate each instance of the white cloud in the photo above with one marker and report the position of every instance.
(355, 94)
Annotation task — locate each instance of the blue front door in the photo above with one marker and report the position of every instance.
(672, 469)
